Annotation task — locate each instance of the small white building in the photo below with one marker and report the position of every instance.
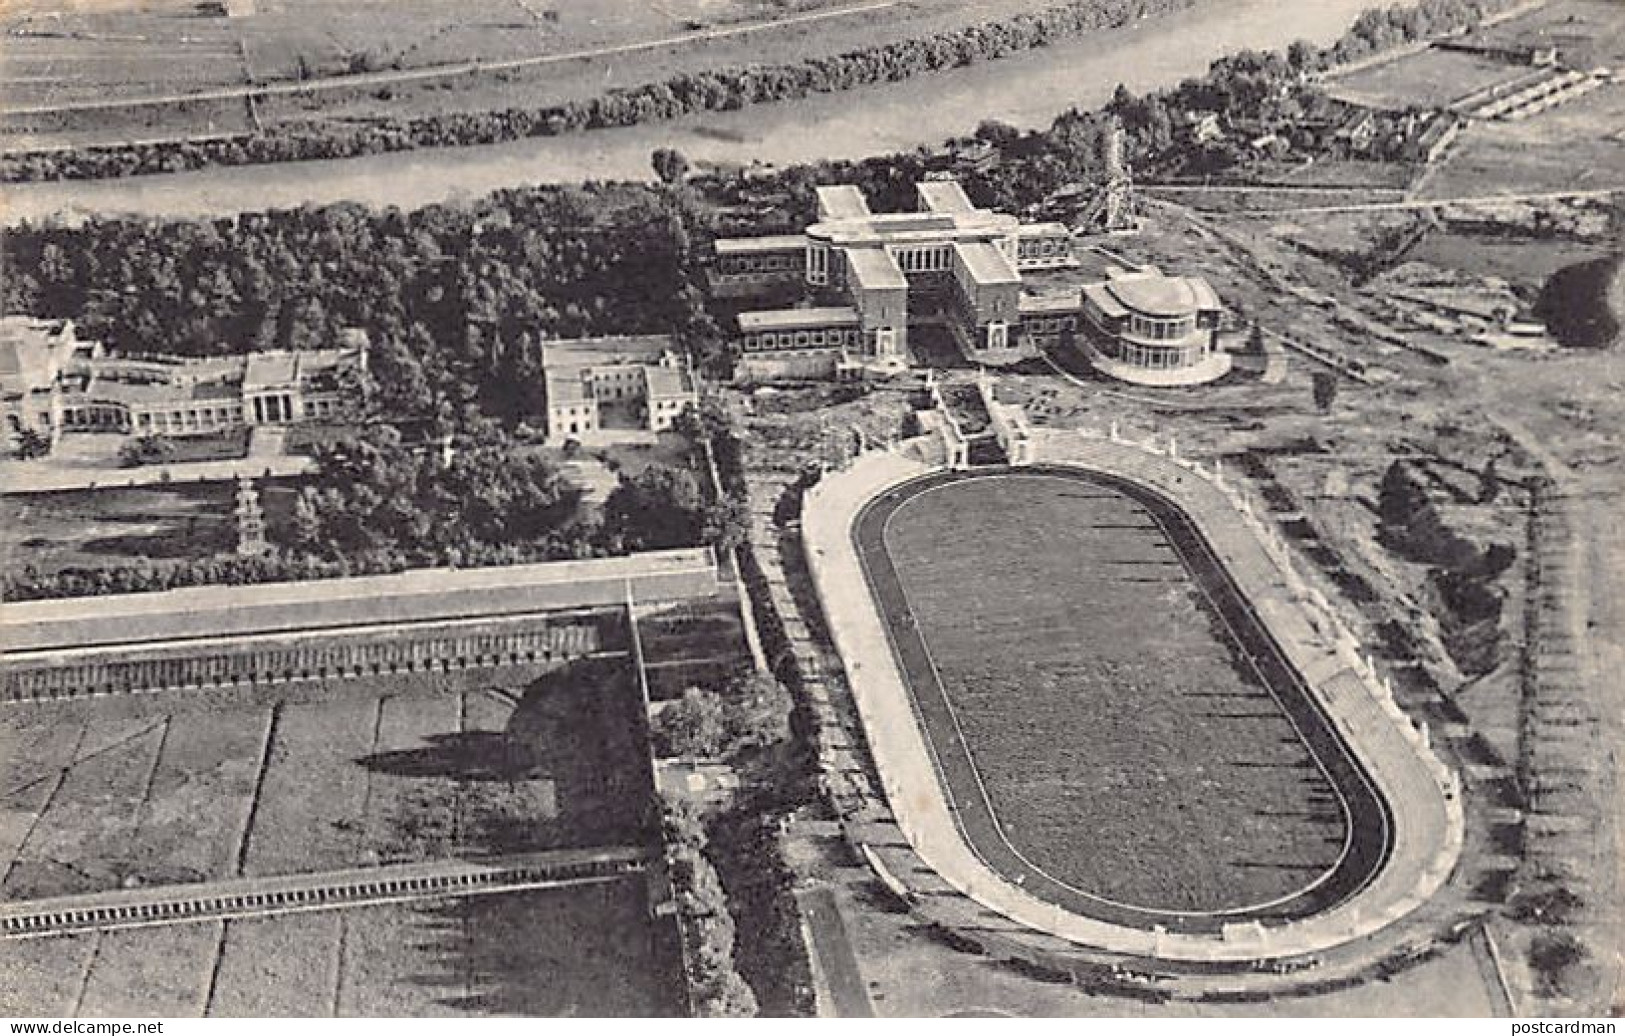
(627, 383)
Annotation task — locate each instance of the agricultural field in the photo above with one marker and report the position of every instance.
(92, 528)
(1125, 749)
(1429, 79)
(192, 786)
(165, 49)
(1577, 146)
(597, 956)
(1523, 263)
(1586, 33)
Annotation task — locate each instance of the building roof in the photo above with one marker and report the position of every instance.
(791, 319)
(265, 370)
(841, 201)
(564, 387)
(1104, 300)
(985, 263)
(601, 352)
(768, 243)
(1154, 294)
(666, 382)
(874, 269)
(1043, 230)
(943, 196)
(155, 393)
(1057, 303)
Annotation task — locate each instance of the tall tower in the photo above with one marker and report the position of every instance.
(1113, 206)
(250, 520)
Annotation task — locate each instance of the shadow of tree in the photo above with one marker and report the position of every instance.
(474, 755)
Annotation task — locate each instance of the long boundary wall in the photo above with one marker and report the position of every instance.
(431, 619)
(1423, 794)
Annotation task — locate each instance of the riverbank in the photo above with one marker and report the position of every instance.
(1027, 90)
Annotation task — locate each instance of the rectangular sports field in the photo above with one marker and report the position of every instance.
(1125, 747)
(590, 950)
(190, 786)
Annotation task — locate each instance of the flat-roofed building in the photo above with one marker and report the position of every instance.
(942, 196)
(970, 258)
(841, 201)
(747, 265)
(797, 343)
(596, 387)
(983, 303)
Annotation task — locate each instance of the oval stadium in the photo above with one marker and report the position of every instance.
(1101, 702)
(1118, 731)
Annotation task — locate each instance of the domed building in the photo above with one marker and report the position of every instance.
(1147, 328)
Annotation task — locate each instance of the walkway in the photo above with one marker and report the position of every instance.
(37, 477)
(1427, 817)
(370, 886)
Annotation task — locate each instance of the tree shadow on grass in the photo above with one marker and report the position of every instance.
(474, 755)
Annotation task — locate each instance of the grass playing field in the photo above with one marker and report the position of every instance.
(192, 786)
(588, 951)
(1126, 749)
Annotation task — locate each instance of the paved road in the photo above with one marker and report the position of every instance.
(835, 963)
(1431, 203)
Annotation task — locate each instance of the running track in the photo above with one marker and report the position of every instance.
(1370, 819)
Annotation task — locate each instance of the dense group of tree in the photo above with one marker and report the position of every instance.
(715, 90)
(715, 987)
(1466, 598)
(374, 493)
(378, 504)
(456, 300)
(1267, 91)
(1583, 305)
(750, 712)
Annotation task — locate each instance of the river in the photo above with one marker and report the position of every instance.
(1026, 90)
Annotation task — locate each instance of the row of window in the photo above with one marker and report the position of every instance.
(816, 338)
(763, 262)
(1159, 330)
(1155, 357)
(1048, 325)
(923, 258)
(1043, 248)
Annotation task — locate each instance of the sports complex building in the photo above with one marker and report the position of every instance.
(867, 277)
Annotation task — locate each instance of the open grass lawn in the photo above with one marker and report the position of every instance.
(191, 786)
(1123, 749)
(1525, 263)
(92, 528)
(1430, 79)
(1578, 146)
